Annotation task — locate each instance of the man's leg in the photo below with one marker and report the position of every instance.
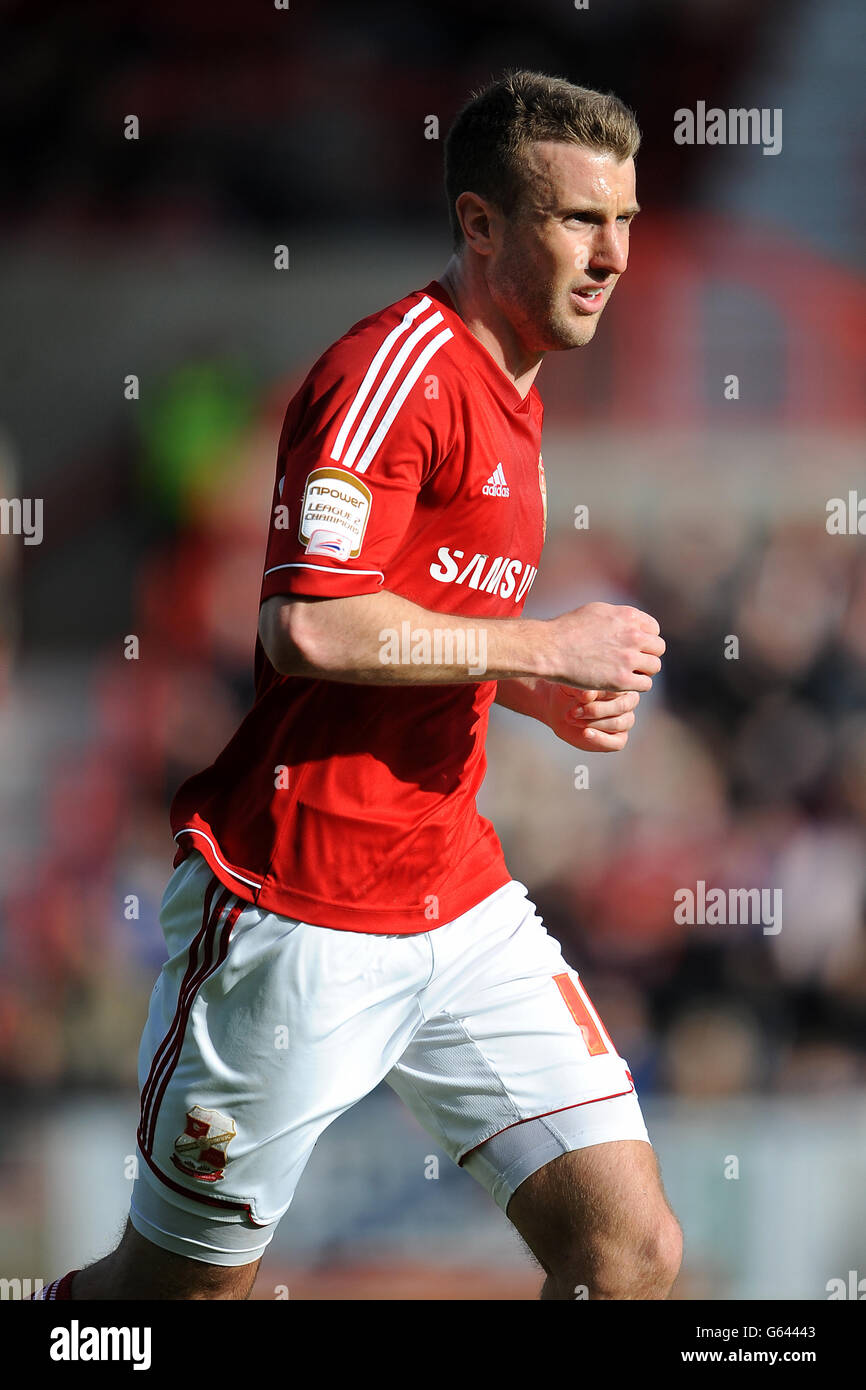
(514, 1073)
(137, 1269)
(242, 1067)
(599, 1224)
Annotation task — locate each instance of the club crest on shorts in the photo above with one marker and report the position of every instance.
(201, 1150)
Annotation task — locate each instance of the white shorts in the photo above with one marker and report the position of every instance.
(262, 1030)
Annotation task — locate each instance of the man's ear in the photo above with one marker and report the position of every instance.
(474, 214)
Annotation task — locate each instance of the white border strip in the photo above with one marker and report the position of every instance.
(326, 569)
(190, 830)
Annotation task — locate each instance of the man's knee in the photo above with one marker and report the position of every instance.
(639, 1261)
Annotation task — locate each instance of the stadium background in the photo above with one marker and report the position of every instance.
(155, 257)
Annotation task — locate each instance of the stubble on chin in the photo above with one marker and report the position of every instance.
(545, 317)
(570, 328)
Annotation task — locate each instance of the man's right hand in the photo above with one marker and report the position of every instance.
(605, 647)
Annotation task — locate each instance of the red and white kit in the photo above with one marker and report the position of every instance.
(408, 461)
(333, 876)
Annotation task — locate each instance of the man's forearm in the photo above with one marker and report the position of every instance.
(385, 639)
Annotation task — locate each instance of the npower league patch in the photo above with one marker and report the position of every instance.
(334, 513)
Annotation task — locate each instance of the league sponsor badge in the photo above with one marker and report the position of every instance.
(334, 513)
(201, 1150)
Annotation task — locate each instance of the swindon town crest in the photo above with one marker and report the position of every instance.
(201, 1150)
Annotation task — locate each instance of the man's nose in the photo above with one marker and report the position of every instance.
(610, 250)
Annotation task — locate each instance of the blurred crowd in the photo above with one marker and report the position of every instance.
(255, 116)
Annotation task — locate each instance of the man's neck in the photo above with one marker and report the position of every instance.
(471, 299)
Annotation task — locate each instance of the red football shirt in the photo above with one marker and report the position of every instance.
(408, 461)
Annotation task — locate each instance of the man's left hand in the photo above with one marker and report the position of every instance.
(596, 721)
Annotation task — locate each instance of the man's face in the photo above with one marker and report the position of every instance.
(554, 263)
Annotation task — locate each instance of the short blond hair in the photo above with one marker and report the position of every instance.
(486, 145)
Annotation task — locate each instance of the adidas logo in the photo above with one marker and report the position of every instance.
(496, 486)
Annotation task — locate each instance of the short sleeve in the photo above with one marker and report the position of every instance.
(355, 451)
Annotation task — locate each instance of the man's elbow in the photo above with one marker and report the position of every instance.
(290, 635)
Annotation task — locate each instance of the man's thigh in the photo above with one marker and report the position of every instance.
(262, 1031)
(512, 1066)
(606, 1197)
(598, 1222)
